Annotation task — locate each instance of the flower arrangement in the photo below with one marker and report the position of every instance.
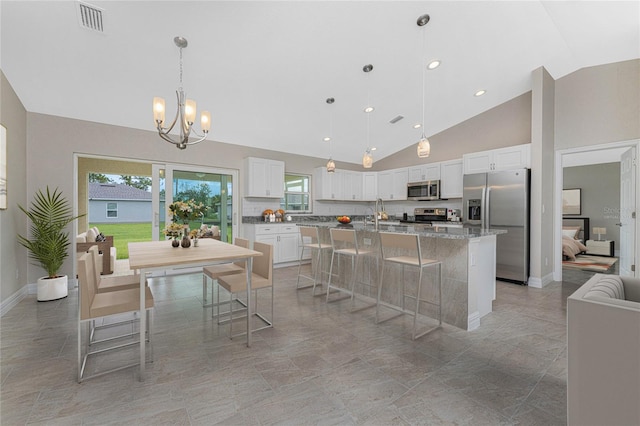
(187, 210)
(173, 230)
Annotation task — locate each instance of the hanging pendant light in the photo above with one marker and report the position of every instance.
(424, 146)
(331, 165)
(367, 158)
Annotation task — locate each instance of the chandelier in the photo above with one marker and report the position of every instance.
(185, 115)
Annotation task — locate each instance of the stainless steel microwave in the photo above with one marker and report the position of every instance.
(423, 191)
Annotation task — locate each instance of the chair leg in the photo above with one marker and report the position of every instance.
(330, 275)
(354, 270)
(415, 314)
(379, 293)
(300, 268)
(204, 290)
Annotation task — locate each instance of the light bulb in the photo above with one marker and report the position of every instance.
(158, 110)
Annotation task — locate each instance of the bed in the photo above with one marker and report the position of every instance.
(575, 232)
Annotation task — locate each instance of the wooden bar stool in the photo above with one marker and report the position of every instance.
(344, 242)
(310, 239)
(404, 249)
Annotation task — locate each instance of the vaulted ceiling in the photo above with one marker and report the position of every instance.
(264, 68)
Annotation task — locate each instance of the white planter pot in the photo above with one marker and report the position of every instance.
(52, 288)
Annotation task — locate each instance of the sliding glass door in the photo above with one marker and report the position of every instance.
(215, 188)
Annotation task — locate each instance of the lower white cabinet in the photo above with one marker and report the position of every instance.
(284, 238)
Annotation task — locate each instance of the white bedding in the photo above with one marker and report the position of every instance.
(571, 247)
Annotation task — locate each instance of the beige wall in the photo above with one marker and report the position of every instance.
(598, 105)
(505, 125)
(13, 257)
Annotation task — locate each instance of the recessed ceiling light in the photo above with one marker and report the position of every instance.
(326, 139)
(480, 93)
(374, 148)
(368, 109)
(433, 64)
(417, 126)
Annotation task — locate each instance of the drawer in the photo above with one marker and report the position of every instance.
(275, 229)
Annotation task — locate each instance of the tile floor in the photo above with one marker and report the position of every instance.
(319, 365)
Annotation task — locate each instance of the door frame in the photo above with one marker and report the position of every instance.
(561, 158)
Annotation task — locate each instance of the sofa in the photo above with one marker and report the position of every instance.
(603, 352)
(93, 237)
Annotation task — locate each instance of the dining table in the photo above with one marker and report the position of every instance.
(149, 256)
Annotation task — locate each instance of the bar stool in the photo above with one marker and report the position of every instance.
(344, 242)
(404, 249)
(312, 243)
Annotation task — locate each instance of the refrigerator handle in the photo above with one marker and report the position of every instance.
(487, 204)
(483, 211)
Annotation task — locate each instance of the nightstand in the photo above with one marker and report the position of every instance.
(600, 248)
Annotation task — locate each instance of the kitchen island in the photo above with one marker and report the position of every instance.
(468, 258)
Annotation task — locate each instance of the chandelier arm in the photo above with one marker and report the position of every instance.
(168, 138)
(200, 139)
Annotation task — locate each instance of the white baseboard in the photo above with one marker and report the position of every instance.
(14, 299)
(540, 282)
(473, 321)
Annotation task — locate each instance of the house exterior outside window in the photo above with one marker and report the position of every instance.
(297, 194)
(112, 210)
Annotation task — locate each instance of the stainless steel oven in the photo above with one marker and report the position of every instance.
(422, 191)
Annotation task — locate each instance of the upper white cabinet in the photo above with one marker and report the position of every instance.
(392, 184)
(328, 186)
(352, 189)
(424, 172)
(451, 175)
(264, 178)
(369, 186)
(513, 157)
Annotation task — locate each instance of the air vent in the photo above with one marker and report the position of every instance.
(394, 120)
(91, 17)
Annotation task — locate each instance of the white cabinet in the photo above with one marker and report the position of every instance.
(264, 178)
(352, 186)
(451, 175)
(424, 172)
(328, 186)
(392, 184)
(513, 157)
(284, 239)
(369, 186)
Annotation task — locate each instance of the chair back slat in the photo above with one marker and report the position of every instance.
(263, 265)
(309, 232)
(95, 257)
(87, 286)
(393, 240)
(244, 243)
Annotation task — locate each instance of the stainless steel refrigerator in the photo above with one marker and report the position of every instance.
(501, 200)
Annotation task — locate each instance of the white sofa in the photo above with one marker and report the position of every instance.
(603, 343)
(88, 239)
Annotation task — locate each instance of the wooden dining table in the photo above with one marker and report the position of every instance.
(149, 256)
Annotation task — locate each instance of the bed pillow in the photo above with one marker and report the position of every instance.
(571, 231)
(571, 247)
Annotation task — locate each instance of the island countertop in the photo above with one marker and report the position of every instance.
(458, 233)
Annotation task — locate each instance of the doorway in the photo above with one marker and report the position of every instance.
(609, 215)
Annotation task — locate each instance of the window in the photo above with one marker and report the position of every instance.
(112, 210)
(297, 194)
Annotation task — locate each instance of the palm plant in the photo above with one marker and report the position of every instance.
(49, 213)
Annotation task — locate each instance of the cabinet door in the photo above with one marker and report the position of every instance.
(337, 184)
(400, 179)
(352, 186)
(256, 179)
(513, 157)
(477, 162)
(288, 247)
(416, 174)
(369, 186)
(451, 176)
(432, 171)
(275, 179)
(385, 185)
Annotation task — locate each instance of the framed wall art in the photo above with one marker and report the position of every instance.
(571, 201)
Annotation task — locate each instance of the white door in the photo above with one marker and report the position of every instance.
(627, 213)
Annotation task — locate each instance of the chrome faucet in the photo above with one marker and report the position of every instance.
(377, 213)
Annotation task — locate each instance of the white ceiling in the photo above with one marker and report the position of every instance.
(265, 68)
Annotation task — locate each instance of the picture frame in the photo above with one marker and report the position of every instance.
(3, 167)
(572, 201)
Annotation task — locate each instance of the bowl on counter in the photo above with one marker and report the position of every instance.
(344, 219)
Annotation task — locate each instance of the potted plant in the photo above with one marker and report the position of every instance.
(49, 214)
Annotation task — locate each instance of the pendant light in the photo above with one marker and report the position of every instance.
(331, 165)
(367, 158)
(424, 147)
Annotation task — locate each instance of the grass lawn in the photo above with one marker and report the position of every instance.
(124, 233)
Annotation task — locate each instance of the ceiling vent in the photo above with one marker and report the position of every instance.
(394, 120)
(91, 17)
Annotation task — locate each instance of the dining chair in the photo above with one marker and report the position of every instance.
(111, 283)
(404, 250)
(261, 278)
(214, 272)
(94, 306)
(344, 242)
(310, 240)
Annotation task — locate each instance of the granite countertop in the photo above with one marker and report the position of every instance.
(412, 228)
